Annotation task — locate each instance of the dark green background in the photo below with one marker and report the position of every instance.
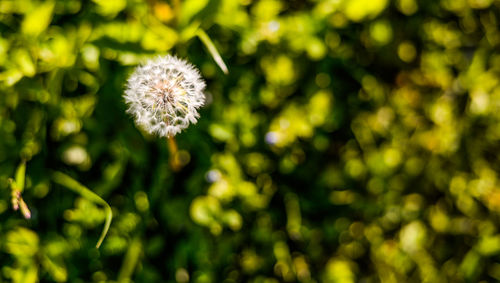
(351, 141)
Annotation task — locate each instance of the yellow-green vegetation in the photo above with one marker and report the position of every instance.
(342, 141)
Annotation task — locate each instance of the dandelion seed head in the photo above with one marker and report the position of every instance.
(164, 95)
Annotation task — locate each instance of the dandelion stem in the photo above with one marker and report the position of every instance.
(172, 147)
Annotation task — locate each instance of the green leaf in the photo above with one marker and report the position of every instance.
(110, 7)
(20, 176)
(21, 242)
(55, 268)
(190, 8)
(24, 61)
(37, 20)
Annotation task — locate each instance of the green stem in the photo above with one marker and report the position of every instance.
(130, 260)
(75, 186)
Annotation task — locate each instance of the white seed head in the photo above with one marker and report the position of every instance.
(164, 94)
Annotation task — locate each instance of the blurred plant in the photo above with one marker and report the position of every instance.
(17, 187)
(353, 140)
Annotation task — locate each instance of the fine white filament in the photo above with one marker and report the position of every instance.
(164, 94)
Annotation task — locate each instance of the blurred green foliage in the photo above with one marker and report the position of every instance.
(350, 141)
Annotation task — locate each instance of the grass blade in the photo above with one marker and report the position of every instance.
(212, 49)
(70, 183)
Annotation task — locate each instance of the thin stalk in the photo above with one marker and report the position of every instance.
(205, 39)
(172, 148)
(75, 186)
(130, 261)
